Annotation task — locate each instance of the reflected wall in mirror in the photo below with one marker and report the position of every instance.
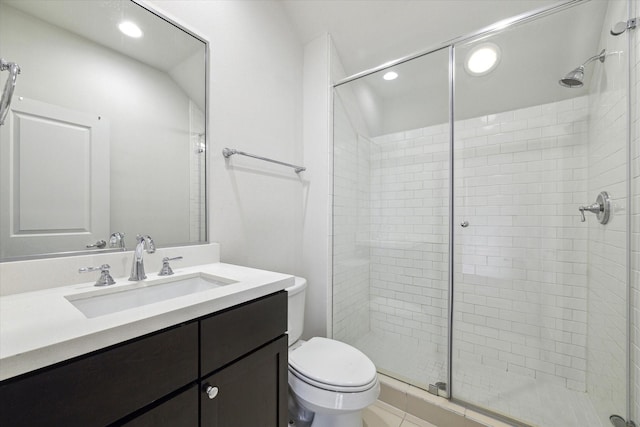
(106, 132)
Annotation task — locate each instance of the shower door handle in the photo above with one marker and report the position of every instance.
(464, 224)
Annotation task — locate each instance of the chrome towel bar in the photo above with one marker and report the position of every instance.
(228, 152)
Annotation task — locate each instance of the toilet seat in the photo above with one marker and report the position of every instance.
(332, 365)
(332, 387)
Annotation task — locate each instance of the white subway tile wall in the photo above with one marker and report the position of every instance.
(521, 289)
(409, 238)
(607, 244)
(520, 276)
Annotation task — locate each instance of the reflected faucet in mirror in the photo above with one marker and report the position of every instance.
(137, 268)
(9, 87)
(116, 240)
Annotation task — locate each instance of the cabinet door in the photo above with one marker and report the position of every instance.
(250, 392)
(179, 411)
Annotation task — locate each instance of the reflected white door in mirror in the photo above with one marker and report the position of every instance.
(54, 190)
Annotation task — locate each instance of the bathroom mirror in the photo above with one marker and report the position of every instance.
(107, 131)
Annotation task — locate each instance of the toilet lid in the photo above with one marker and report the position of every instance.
(332, 363)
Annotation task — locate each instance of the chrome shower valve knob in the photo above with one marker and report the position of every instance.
(602, 208)
(594, 208)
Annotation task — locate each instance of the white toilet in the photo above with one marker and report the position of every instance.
(329, 378)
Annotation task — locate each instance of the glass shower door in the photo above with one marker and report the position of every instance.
(539, 308)
(391, 216)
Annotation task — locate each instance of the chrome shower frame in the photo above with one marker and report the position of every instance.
(468, 38)
(9, 87)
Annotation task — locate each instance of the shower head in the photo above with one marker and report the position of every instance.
(575, 77)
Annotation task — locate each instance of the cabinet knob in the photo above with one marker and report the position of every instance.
(211, 391)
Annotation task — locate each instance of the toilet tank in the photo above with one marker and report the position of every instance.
(295, 314)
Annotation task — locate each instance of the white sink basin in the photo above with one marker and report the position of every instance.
(107, 301)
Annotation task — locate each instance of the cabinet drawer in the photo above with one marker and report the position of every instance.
(179, 411)
(231, 334)
(100, 388)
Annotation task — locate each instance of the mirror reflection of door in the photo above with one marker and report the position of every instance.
(54, 182)
(152, 89)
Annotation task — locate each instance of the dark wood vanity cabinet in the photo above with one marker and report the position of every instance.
(161, 379)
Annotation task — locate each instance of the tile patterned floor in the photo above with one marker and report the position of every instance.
(517, 396)
(535, 401)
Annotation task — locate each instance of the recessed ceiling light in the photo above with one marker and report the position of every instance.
(482, 59)
(130, 29)
(391, 75)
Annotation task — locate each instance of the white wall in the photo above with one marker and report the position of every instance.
(316, 198)
(255, 209)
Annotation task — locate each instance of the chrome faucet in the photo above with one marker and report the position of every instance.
(137, 268)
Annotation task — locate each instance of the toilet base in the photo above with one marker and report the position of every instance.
(300, 416)
(350, 419)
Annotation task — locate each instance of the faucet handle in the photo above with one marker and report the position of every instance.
(104, 279)
(166, 268)
(100, 244)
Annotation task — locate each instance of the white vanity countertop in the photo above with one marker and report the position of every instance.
(40, 328)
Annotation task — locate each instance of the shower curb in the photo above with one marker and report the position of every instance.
(430, 408)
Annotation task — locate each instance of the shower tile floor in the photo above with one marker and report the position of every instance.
(540, 403)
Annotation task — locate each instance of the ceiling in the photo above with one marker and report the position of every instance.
(368, 33)
(535, 55)
(163, 46)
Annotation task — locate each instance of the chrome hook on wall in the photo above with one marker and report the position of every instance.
(602, 208)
